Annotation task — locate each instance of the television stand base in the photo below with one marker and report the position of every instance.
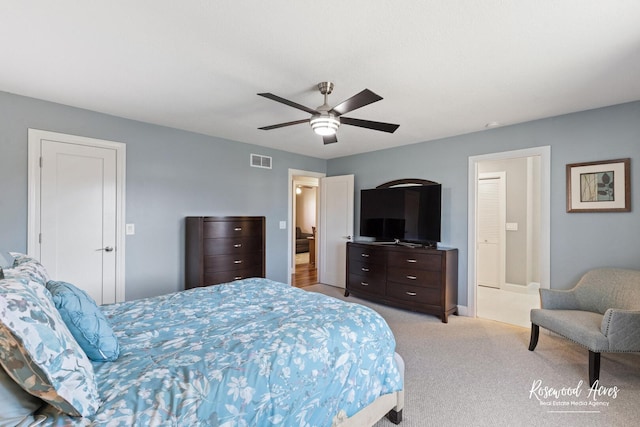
(418, 279)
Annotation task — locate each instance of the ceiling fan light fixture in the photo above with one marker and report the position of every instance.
(325, 124)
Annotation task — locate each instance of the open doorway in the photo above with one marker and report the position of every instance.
(508, 234)
(303, 220)
(305, 223)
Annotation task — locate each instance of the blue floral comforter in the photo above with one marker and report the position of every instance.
(247, 353)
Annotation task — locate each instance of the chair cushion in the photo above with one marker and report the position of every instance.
(582, 327)
(39, 353)
(87, 323)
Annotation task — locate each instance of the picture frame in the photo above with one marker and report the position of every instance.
(603, 186)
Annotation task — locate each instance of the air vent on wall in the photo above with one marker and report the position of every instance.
(258, 161)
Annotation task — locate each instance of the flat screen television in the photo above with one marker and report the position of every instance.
(402, 214)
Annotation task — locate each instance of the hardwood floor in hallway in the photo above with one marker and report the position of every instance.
(304, 276)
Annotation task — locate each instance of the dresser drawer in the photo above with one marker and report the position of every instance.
(366, 253)
(367, 269)
(415, 260)
(217, 277)
(236, 228)
(232, 245)
(233, 262)
(414, 277)
(414, 293)
(374, 285)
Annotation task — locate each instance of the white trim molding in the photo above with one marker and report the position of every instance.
(34, 150)
(544, 153)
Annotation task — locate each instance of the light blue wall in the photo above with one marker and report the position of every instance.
(170, 174)
(579, 241)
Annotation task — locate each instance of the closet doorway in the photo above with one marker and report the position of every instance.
(76, 211)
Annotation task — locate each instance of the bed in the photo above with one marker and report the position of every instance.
(246, 353)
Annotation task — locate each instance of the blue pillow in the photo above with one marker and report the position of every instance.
(87, 323)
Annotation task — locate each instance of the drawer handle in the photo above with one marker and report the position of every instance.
(238, 261)
(411, 294)
(237, 229)
(412, 260)
(364, 269)
(364, 283)
(412, 277)
(365, 255)
(237, 245)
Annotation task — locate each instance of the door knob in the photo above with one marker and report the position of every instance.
(106, 249)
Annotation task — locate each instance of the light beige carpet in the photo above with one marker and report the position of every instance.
(477, 372)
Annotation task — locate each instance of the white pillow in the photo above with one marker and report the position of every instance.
(6, 260)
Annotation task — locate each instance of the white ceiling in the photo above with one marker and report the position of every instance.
(443, 67)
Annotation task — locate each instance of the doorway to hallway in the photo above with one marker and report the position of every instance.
(524, 230)
(304, 222)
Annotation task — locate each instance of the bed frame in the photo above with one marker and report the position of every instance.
(390, 405)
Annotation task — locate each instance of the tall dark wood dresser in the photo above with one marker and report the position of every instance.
(223, 249)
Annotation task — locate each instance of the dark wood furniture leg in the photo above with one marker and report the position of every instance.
(594, 367)
(395, 416)
(535, 332)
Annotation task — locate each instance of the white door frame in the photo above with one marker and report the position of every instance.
(34, 188)
(545, 216)
(291, 216)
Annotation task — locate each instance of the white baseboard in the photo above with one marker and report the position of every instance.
(531, 288)
(463, 310)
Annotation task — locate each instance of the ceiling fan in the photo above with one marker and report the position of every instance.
(325, 120)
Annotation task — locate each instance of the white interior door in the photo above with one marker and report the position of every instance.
(78, 223)
(335, 228)
(491, 230)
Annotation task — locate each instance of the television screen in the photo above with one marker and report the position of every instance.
(408, 214)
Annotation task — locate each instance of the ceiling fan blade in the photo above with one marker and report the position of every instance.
(384, 127)
(361, 99)
(289, 103)
(329, 139)
(281, 125)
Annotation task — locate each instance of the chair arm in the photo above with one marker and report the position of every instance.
(555, 299)
(622, 329)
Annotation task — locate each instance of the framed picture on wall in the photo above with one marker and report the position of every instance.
(603, 186)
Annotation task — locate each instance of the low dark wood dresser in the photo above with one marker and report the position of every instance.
(223, 249)
(418, 279)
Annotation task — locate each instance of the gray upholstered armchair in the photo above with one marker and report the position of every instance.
(602, 313)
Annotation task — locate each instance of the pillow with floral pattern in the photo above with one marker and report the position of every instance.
(39, 353)
(25, 265)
